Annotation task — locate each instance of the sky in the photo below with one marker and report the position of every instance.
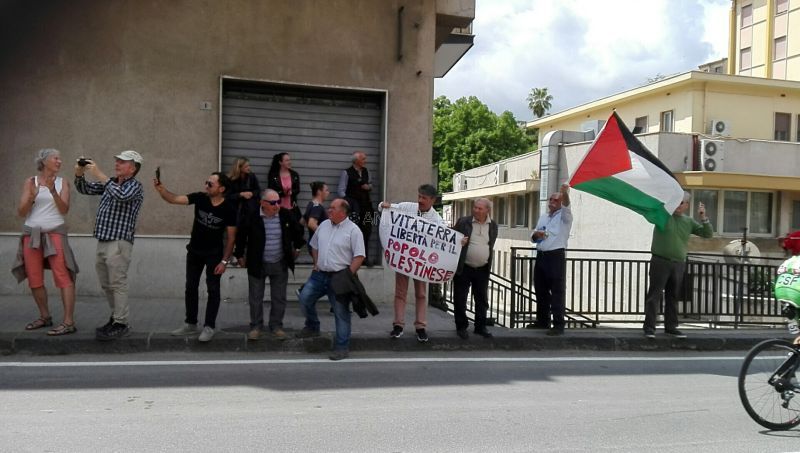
(581, 50)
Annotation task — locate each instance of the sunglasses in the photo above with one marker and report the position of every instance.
(271, 202)
(209, 184)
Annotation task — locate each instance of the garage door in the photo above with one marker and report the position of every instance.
(319, 128)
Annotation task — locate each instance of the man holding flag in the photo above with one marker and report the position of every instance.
(668, 263)
(620, 169)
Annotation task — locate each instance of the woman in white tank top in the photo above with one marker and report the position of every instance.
(44, 203)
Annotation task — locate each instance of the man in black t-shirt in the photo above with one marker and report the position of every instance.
(214, 217)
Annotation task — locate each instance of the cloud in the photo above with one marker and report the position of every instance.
(582, 50)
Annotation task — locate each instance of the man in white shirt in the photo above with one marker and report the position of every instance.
(549, 272)
(336, 245)
(426, 196)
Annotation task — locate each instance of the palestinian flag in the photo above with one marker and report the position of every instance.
(620, 169)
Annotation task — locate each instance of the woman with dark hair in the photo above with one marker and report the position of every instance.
(282, 179)
(43, 204)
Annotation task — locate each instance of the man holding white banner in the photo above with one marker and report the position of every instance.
(417, 243)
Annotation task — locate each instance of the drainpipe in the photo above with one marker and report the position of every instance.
(549, 161)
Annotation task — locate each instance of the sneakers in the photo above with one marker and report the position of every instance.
(206, 335)
(484, 333)
(105, 326)
(397, 332)
(305, 332)
(187, 329)
(422, 336)
(279, 334)
(675, 333)
(463, 334)
(114, 331)
(254, 334)
(339, 355)
(651, 334)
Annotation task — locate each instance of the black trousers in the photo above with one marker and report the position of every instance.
(194, 269)
(478, 279)
(666, 277)
(549, 283)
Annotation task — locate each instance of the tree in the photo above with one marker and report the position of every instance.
(467, 134)
(539, 101)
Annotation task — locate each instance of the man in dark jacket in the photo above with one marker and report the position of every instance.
(355, 186)
(474, 266)
(268, 245)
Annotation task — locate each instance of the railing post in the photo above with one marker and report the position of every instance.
(513, 287)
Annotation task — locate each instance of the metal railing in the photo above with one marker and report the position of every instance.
(609, 287)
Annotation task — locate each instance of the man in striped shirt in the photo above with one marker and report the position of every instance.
(120, 200)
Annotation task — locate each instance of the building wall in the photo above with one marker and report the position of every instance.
(93, 77)
(761, 35)
(695, 105)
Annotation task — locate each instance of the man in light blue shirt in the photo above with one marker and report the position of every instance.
(549, 272)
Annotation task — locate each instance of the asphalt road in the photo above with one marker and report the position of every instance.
(489, 403)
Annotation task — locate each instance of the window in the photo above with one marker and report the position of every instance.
(745, 59)
(739, 209)
(500, 207)
(779, 50)
(521, 211)
(795, 215)
(747, 15)
(710, 198)
(783, 123)
(666, 121)
(640, 126)
(760, 213)
(798, 128)
(781, 6)
(717, 69)
(735, 216)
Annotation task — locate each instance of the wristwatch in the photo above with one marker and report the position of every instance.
(226, 262)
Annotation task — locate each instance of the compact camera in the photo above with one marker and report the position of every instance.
(84, 161)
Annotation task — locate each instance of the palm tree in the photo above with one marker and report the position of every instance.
(539, 101)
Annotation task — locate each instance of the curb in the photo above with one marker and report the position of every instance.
(138, 342)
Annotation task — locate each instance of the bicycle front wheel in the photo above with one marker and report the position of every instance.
(766, 384)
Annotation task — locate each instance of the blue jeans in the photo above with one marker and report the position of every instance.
(318, 285)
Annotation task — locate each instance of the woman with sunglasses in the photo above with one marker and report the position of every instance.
(282, 179)
(44, 203)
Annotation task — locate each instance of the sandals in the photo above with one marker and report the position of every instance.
(62, 329)
(39, 323)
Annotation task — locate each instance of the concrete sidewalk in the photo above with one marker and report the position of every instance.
(153, 319)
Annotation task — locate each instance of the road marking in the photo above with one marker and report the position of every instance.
(362, 360)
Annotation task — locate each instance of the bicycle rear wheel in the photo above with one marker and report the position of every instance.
(766, 384)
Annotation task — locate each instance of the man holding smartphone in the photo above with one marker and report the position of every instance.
(121, 199)
(214, 217)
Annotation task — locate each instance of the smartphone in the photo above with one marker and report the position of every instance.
(158, 174)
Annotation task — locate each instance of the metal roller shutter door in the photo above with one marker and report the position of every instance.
(320, 129)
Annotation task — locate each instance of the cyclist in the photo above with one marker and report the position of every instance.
(787, 284)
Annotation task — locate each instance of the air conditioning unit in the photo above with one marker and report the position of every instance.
(712, 155)
(720, 128)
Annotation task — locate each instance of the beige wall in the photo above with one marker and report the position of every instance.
(96, 77)
(750, 110)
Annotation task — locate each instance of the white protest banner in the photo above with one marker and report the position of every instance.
(419, 248)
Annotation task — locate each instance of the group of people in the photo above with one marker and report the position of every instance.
(235, 221)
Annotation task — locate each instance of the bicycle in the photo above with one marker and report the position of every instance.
(768, 385)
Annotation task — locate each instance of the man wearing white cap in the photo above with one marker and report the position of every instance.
(120, 200)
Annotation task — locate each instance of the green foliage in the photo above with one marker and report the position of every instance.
(539, 101)
(467, 134)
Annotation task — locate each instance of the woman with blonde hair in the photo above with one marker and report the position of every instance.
(244, 190)
(43, 204)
